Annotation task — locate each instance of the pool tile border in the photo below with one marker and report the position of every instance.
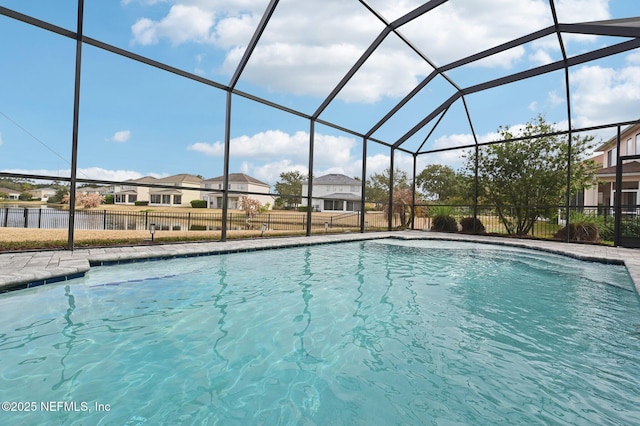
(31, 269)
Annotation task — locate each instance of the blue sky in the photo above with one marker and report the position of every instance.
(136, 120)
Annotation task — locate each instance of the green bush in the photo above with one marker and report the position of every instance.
(471, 225)
(198, 228)
(141, 203)
(109, 199)
(444, 224)
(302, 208)
(582, 227)
(199, 204)
(437, 210)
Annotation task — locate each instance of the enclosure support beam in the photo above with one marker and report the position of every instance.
(312, 129)
(76, 120)
(390, 208)
(363, 186)
(617, 208)
(225, 175)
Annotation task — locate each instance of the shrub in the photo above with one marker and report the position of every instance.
(302, 208)
(444, 224)
(587, 232)
(582, 227)
(109, 199)
(141, 203)
(471, 225)
(199, 204)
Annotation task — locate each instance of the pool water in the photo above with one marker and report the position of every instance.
(363, 333)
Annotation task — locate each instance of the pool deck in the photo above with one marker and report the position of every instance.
(30, 269)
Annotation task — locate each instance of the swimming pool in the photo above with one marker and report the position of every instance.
(375, 332)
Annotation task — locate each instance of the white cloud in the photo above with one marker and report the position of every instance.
(633, 58)
(540, 57)
(533, 106)
(275, 144)
(95, 173)
(182, 24)
(0, 138)
(307, 49)
(554, 99)
(270, 172)
(121, 136)
(605, 95)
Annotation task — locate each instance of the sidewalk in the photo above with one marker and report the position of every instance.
(29, 269)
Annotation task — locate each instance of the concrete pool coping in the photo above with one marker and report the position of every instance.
(31, 269)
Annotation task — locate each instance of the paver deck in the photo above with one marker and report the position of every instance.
(28, 269)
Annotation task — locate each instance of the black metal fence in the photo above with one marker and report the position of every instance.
(550, 220)
(49, 218)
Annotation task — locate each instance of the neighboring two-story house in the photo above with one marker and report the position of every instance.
(603, 194)
(210, 191)
(334, 192)
(176, 196)
(129, 192)
(42, 194)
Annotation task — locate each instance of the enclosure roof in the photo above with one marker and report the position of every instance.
(441, 91)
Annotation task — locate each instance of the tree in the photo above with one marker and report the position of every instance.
(439, 182)
(377, 189)
(402, 203)
(250, 206)
(290, 185)
(526, 179)
(85, 200)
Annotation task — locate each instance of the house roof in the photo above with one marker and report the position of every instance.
(634, 128)
(334, 179)
(237, 177)
(180, 178)
(9, 191)
(348, 196)
(144, 179)
(631, 167)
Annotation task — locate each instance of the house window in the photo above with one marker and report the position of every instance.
(166, 199)
(612, 157)
(155, 199)
(638, 143)
(177, 199)
(120, 198)
(133, 198)
(630, 147)
(353, 206)
(333, 205)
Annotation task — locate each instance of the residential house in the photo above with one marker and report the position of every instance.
(176, 196)
(211, 191)
(9, 194)
(129, 192)
(603, 194)
(42, 193)
(334, 192)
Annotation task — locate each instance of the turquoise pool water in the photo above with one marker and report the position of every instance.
(368, 333)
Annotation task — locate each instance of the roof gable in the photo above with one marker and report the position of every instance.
(334, 179)
(237, 178)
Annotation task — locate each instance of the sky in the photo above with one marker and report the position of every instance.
(136, 120)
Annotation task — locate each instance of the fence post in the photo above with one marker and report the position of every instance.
(26, 217)
(39, 218)
(188, 221)
(104, 220)
(146, 220)
(6, 216)
(269, 221)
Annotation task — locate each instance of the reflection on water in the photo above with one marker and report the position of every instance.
(376, 332)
